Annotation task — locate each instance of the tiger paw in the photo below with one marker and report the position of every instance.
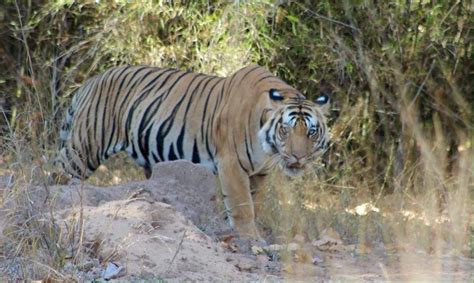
(250, 232)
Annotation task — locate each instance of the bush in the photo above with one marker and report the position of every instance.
(400, 74)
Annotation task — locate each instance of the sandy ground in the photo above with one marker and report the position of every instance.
(170, 227)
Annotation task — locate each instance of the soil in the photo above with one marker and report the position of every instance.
(172, 227)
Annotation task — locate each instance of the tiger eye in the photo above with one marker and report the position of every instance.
(283, 131)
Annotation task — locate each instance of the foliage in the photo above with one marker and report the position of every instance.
(400, 74)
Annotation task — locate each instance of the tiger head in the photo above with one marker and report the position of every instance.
(294, 130)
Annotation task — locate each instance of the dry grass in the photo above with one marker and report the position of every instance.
(402, 121)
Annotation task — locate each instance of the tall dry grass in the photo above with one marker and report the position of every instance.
(401, 120)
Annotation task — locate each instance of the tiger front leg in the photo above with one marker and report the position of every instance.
(257, 188)
(235, 185)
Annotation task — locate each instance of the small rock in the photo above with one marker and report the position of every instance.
(316, 260)
(293, 247)
(246, 265)
(274, 248)
(113, 271)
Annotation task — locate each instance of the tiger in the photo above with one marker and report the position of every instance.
(239, 127)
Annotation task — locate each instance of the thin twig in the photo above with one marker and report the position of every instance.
(177, 250)
(326, 18)
(422, 84)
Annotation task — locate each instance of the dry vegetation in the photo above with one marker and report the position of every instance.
(399, 171)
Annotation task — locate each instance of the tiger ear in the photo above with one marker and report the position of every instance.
(323, 101)
(275, 95)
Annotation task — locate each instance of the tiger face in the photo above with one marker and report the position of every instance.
(295, 132)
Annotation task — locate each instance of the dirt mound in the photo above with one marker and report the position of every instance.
(151, 239)
(164, 227)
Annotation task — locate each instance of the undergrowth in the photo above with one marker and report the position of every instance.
(400, 74)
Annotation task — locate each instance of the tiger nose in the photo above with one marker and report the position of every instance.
(298, 156)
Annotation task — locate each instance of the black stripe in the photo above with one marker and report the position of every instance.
(268, 138)
(167, 123)
(159, 144)
(208, 149)
(115, 95)
(144, 140)
(132, 86)
(145, 148)
(82, 94)
(134, 152)
(248, 154)
(163, 131)
(144, 122)
(146, 91)
(265, 77)
(100, 96)
(149, 114)
(293, 113)
(179, 143)
(96, 102)
(132, 110)
(206, 104)
(243, 77)
(155, 158)
(247, 132)
(195, 158)
(214, 111)
(171, 155)
(105, 125)
(194, 93)
(114, 136)
(264, 112)
(248, 72)
(210, 123)
(238, 157)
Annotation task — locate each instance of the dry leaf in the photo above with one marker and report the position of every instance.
(227, 243)
(256, 250)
